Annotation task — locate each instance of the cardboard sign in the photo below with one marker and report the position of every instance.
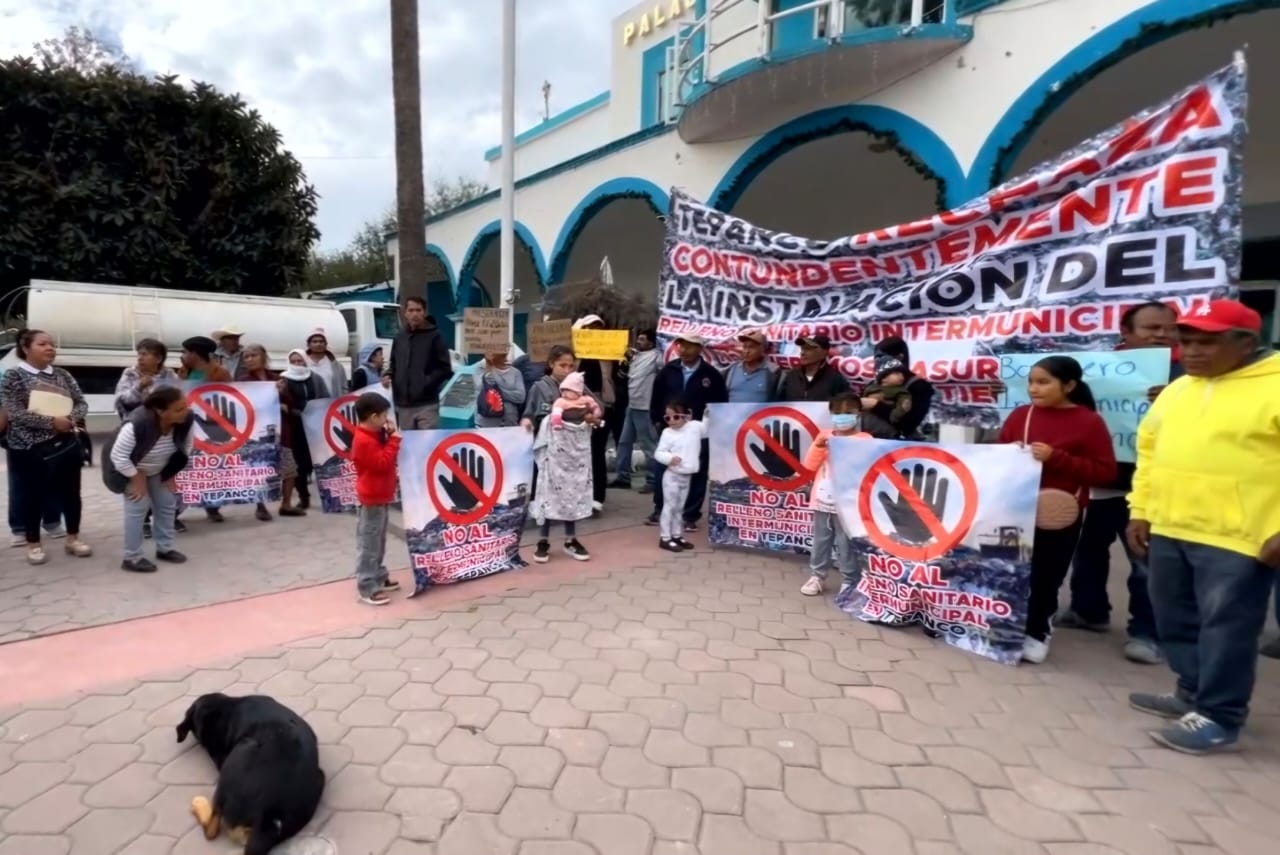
(601, 344)
(486, 330)
(543, 335)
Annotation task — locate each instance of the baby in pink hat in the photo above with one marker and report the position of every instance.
(574, 403)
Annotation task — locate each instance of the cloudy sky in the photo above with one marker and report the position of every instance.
(321, 73)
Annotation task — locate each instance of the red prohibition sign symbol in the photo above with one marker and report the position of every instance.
(459, 496)
(237, 436)
(785, 459)
(334, 419)
(943, 538)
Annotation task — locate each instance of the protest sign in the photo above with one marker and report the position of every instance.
(1049, 261)
(235, 456)
(601, 344)
(942, 535)
(330, 427)
(465, 496)
(1119, 381)
(757, 480)
(543, 335)
(486, 330)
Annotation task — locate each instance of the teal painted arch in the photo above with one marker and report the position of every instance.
(1153, 23)
(471, 258)
(914, 141)
(593, 203)
(441, 256)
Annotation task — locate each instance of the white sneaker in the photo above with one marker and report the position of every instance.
(597, 507)
(813, 587)
(18, 540)
(55, 533)
(1034, 651)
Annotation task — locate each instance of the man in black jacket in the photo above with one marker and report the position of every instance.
(692, 380)
(419, 368)
(814, 379)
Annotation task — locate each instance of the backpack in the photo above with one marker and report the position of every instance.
(489, 404)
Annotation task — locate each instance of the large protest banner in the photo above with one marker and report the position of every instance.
(330, 426)
(757, 481)
(1119, 380)
(465, 496)
(1150, 209)
(942, 535)
(235, 457)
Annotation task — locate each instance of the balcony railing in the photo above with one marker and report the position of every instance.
(715, 42)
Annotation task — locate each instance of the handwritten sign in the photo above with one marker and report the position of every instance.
(1119, 381)
(486, 330)
(543, 335)
(600, 344)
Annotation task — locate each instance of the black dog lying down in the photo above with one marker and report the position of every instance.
(269, 775)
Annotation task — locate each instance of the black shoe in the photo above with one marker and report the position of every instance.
(670, 546)
(215, 515)
(304, 503)
(172, 556)
(138, 565)
(262, 514)
(179, 526)
(646, 490)
(683, 544)
(652, 519)
(576, 550)
(542, 552)
(620, 484)
(146, 531)
(690, 525)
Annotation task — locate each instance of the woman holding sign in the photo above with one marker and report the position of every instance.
(1062, 430)
(255, 368)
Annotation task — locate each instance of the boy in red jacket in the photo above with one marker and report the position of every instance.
(373, 451)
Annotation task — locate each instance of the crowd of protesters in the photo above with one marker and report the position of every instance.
(1198, 514)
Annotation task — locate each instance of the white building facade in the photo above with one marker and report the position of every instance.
(833, 117)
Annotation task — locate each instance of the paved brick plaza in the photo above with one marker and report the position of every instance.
(644, 703)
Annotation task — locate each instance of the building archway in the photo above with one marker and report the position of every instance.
(841, 171)
(480, 275)
(639, 199)
(1147, 55)
(619, 220)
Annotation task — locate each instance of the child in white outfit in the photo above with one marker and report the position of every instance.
(679, 448)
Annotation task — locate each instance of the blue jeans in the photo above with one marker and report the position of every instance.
(52, 513)
(1105, 520)
(637, 430)
(830, 544)
(1210, 607)
(161, 504)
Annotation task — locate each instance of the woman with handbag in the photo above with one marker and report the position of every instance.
(1063, 431)
(44, 404)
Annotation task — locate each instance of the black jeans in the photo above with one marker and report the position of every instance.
(697, 486)
(42, 483)
(1050, 561)
(599, 467)
(17, 514)
(1210, 607)
(1104, 521)
(570, 529)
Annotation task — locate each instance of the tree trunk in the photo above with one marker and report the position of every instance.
(406, 88)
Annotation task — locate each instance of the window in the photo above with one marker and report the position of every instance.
(660, 93)
(349, 316)
(386, 321)
(1262, 299)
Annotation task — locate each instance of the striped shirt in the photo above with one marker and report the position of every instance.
(153, 462)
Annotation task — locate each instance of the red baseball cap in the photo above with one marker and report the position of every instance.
(1220, 316)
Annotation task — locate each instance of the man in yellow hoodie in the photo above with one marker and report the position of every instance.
(1205, 509)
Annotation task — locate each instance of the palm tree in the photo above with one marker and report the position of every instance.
(406, 89)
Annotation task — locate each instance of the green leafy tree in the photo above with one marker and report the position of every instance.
(109, 176)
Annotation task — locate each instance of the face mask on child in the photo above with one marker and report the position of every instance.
(844, 421)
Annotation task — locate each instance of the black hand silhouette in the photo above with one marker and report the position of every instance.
(340, 430)
(473, 463)
(774, 465)
(931, 489)
(214, 432)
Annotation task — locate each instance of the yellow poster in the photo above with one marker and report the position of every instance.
(601, 344)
